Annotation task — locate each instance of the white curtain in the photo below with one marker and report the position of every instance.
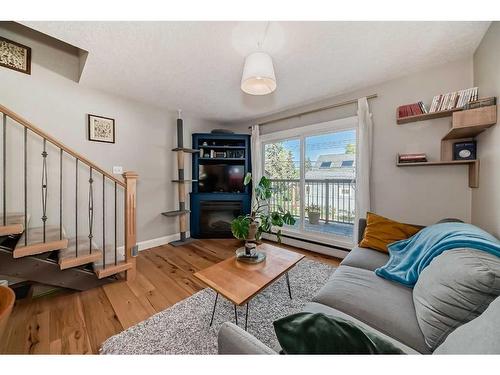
(256, 154)
(363, 161)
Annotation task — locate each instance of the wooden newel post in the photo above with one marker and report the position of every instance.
(130, 222)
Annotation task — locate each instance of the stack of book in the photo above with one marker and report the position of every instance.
(453, 100)
(411, 109)
(412, 158)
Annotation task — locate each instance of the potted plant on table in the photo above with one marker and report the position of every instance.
(313, 213)
(260, 220)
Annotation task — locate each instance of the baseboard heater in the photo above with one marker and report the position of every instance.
(315, 246)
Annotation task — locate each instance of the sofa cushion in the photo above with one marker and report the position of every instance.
(368, 259)
(479, 336)
(381, 231)
(384, 305)
(318, 333)
(314, 307)
(455, 288)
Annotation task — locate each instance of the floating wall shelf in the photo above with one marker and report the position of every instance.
(426, 116)
(466, 124)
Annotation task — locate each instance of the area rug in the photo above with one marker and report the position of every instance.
(184, 328)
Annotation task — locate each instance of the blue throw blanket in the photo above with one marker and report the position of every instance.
(408, 258)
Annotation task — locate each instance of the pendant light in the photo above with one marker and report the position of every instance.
(258, 72)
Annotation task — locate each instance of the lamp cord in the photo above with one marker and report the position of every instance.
(259, 44)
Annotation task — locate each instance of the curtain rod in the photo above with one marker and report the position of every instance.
(352, 101)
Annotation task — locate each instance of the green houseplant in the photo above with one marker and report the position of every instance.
(313, 213)
(261, 219)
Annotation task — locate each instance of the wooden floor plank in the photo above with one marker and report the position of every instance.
(67, 323)
(182, 278)
(78, 322)
(126, 305)
(164, 284)
(100, 318)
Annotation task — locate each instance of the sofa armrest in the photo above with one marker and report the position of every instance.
(233, 340)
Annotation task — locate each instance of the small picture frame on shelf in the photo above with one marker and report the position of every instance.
(464, 150)
(101, 129)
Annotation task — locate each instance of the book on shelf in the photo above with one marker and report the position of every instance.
(453, 100)
(413, 109)
(412, 158)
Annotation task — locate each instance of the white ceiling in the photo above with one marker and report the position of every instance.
(197, 66)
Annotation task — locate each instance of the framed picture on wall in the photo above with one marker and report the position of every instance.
(15, 56)
(101, 129)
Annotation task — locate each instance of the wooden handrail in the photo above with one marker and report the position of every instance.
(58, 144)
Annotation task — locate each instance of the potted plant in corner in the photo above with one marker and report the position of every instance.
(313, 213)
(261, 219)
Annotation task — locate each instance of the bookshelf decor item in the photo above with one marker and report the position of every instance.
(442, 105)
(464, 150)
(181, 212)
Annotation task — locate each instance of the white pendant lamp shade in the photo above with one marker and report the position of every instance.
(258, 74)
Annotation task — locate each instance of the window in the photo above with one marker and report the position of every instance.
(314, 180)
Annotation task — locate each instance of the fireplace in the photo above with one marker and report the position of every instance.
(216, 216)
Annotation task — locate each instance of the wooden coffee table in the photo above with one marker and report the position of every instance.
(239, 282)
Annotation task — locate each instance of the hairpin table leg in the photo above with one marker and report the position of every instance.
(213, 311)
(288, 285)
(246, 317)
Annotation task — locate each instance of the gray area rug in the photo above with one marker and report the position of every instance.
(184, 328)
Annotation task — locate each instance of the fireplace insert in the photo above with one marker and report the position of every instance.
(216, 217)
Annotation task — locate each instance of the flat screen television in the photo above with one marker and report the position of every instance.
(222, 178)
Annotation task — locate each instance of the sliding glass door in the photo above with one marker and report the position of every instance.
(313, 173)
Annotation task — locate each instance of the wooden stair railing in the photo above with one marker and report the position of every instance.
(45, 242)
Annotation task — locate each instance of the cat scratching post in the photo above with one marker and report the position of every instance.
(181, 182)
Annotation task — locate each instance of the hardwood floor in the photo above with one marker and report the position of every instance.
(78, 322)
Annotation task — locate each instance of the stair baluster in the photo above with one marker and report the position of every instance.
(4, 167)
(60, 192)
(116, 241)
(26, 187)
(76, 207)
(44, 190)
(91, 210)
(103, 222)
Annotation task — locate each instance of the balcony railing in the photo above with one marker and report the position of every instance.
(334, 197)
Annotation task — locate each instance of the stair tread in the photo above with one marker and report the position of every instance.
(35, 243)
(109, 270)
(110, 257)
(83, 248)
(68, 257)
(14, 223)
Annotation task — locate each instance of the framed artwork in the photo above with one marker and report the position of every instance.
(101, 129)
(15, 56)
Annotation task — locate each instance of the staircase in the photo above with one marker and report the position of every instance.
(80, 250)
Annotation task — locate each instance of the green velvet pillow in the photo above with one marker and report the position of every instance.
(307, 333)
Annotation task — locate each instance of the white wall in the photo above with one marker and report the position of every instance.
(420, 195)
(486, 199)
(52, 99)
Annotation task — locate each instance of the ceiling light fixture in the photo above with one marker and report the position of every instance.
(258, 73)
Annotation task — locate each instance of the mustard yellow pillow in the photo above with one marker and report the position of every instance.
(381, 231)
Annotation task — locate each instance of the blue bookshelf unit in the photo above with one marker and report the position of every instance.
(218, 194)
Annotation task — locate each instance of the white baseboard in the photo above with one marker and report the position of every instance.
(148, 244)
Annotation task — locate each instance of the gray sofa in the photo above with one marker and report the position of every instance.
(355, 293)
